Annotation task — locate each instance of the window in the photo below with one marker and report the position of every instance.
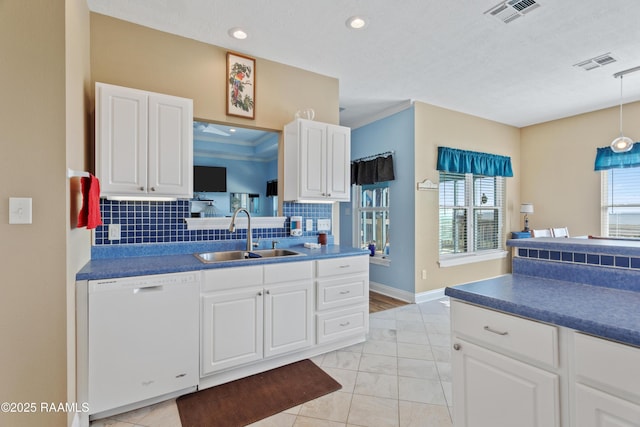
(471, 214)
(372, 217)
(620, 202)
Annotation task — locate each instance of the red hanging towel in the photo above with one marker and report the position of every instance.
(89, 215)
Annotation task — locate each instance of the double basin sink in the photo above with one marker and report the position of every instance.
(212, 257)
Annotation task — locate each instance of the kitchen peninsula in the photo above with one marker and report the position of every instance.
(558, 338)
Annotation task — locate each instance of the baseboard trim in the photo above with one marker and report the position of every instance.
(430, 295)
(404, 295)
(391, 292)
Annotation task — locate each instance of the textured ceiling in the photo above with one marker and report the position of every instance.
(446, 53)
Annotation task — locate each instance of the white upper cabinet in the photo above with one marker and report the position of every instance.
(144, 143)
(316, 161)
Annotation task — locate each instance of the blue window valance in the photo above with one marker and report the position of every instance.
(463, 161)
(607, 159)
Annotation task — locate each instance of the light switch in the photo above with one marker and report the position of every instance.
(309, 225)
(324, 224)
(19, 210)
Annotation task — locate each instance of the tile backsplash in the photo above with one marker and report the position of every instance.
(144, 222)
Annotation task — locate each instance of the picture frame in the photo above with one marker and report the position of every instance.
(241, 85)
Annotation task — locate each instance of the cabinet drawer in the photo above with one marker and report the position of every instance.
(343, 323)
(340, 266)
(608, 363)
(231, 278)
(342, 291)
(530, 339)
(288, 272)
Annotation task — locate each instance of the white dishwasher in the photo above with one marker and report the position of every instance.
(142, 338)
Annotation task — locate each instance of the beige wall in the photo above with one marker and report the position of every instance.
(78, 92)
(130, 55)
(435, 127)
(557, 167)
(35, 278)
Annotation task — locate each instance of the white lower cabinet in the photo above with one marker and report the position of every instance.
(493, 386)
(232, 331)
(288, 317)
(246, 316)
(607, 383)
(507, 371)
(493, 390)
(342, 297)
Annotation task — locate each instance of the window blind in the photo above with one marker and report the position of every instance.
(471, 217)
(620, 203)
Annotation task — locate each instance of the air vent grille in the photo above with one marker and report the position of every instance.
(596, 62)
(510, 10)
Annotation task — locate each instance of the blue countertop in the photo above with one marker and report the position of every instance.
(612, 314)
(160, 264)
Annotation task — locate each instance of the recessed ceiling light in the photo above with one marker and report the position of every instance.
(356, 22)
(238, 33)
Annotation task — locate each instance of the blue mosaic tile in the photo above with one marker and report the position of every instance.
(533, 253)
(554, 255)
(635, 262)
(567, 256)
(543, 254)
(622, 261)
(579, 257)
(593, 259)
(606, 260)
(145, 222)
(522, 252)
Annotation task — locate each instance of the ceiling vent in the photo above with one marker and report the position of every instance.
(596, 62)
(510, 10)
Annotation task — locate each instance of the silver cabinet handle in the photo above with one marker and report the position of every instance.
(490, 329)
(345, 324)
(141, 188)
(153, 188)
(259, 294)
(267, 292)
(344, 292)
(457, 347)
(345, 266)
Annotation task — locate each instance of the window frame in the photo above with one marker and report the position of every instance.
(471, 253)
(380, 257)
(605, 191)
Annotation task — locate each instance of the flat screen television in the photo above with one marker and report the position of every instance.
(209, 179)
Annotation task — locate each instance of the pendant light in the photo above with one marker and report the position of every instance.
(621, 144)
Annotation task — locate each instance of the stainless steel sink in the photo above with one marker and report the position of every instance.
(210, 257)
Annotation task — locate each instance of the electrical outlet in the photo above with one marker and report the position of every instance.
(114, 231)
(424, 274)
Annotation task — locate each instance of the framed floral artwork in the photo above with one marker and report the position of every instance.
(241, 86)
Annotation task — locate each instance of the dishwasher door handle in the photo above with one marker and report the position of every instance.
(157, 288)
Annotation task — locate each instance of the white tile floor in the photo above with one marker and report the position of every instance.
(401, 376)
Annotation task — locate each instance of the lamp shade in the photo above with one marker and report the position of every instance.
(526, 208)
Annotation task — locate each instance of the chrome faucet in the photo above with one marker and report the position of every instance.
(232, 227)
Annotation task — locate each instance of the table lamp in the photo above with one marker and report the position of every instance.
(526, 208)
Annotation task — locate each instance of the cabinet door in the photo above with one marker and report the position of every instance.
(121, 140)
(597, 409)
(288, 314)
(313, 160)
(170, 146)
(232, 324)
(339, 163)
(490, 389)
